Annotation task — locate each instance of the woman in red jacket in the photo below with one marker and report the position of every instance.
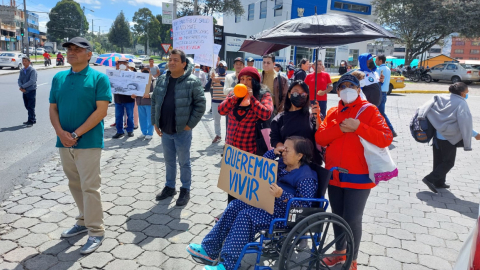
(340, 132)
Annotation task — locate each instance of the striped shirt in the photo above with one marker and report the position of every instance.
(218, 95)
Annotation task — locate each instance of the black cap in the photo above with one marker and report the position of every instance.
(80, 42)
(278, 65)
(250, 59)
(240, 59)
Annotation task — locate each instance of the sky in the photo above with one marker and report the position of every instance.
(103, 12)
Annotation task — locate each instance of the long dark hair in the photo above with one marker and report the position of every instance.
(288, 103)
(256, 87)
(302, 146)
(458, 88)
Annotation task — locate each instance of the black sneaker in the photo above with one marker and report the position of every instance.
(394, 134)
(430, 185)
(28, 123)
(442, 186)
(130, 134)
(166, 192)
(184, 197)
(118, 135)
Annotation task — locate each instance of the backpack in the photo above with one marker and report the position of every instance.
(421, 129)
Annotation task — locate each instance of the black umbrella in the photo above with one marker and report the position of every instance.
(318, 31)
(260, 47)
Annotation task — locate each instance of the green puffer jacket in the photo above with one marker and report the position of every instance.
(190, 101)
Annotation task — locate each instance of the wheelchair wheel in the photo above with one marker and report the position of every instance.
(320, 243)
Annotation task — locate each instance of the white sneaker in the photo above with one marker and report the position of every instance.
(142, 136)
(148, 137)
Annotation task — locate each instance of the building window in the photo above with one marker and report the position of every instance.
(473, 58)
(474, 51)
(351, 7)
(459, 58)
(459, 43)
(475, 43)
(398, 49)
(238, 18)
(370, 50)
(435, 50)
(330, 54)
(251, 11)
(278, 8)
(263, 9)
(458, 51)
(353, 57)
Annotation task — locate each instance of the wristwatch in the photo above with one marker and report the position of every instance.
(74, 135)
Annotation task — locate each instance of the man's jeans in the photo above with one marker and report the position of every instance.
(29, 100)
(174, 145)
(119, 112)
(381, 108)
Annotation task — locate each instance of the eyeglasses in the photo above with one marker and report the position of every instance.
(296, 94)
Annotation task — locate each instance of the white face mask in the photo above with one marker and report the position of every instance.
(122, 67)
(348, 95)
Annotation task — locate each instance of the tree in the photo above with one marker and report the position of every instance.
(210, 7)
(142, 19)
(421, 24)
(120, 34)
(67, 20)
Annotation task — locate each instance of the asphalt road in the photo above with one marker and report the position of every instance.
(23, 150)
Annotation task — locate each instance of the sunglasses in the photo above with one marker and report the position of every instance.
(295, 94)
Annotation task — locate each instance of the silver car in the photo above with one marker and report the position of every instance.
(455, 72)
(11, 59)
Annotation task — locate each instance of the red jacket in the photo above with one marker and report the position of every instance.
(241, 134)
(345, 149)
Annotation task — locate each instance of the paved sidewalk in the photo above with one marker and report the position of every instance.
(405, 226)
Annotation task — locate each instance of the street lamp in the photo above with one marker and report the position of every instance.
(81, 26)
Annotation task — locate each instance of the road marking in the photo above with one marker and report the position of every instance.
(41, 84)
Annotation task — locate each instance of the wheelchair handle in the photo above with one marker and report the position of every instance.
(341, 170)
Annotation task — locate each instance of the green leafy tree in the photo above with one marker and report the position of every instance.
(120, 34)
(142, 19)
(209, 7)
(421, 24)
(67, 20)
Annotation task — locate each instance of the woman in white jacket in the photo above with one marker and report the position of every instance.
(451, 117)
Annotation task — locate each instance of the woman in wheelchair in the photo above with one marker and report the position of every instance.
(240, 221)
(340, 132)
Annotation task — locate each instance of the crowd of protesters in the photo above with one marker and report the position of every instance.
(291, 105)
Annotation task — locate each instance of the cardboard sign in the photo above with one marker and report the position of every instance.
(208, 59)
(128, 83)
(248, 177)
(193, 34)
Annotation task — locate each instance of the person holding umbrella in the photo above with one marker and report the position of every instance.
(324, 86)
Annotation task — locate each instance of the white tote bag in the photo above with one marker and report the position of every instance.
(380, 164)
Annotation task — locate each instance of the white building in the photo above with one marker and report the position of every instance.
(263, 14)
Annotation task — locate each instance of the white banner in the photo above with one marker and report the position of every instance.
(193, 34)
(127, 82)
(233, 44)
(208, 59)
(167, 13)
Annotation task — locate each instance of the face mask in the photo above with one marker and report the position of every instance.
(466, 97)
(371, 65)
(122, 67)
(348, 95)
(298, 100)
(197, 69)
(221, 70)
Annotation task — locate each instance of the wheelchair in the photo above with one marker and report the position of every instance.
(304, 237)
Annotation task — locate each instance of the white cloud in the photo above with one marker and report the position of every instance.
(104, 23)
(89, 2)
(157, 3)
(97, 7)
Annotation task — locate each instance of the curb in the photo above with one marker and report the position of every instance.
(420, 92)
(15, 71)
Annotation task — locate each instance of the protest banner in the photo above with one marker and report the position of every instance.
(128, 83)
(248, 177)
(206, 58)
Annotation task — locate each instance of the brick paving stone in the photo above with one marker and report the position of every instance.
(67, 266)
(154, 244)
(385, 263)
(386, 241)
(53, 217)
(434, 262)
(25, 222)
(431, 240)
(53, 247)
(16, 234)
(402, 255)
(41, 262)
(157, 231)
(115, 220)
(11, 266)
(33, 240)
(371, 248)
(97, 260)
(152, 258)
(20, 254)
(127, 252)
(401, 234)
(6, 246)
(121, 265)
(159, 219)
(35, 213)
(19, 209)
(44, 228)
(107, 245)
(131, 237)
(178, 264)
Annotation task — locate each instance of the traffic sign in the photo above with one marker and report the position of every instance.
(166, 47)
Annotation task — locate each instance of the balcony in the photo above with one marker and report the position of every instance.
(8, 27)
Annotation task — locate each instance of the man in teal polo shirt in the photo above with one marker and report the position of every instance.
(79, 101)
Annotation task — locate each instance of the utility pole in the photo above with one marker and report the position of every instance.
(195, 7)
(81, 25)
(146, 51)
(26, 26)
(174, 17)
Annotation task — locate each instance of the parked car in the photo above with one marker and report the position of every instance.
(396, 82)
(30, 49)
(455, 72)
(143, 57)
(40, 51)
(135, 60)
(94, 58)
(162, 67)
(11, 59)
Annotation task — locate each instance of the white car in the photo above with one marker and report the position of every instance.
(135, 60)
(143, 57)
(31, 50)
(94, 58)
(40, 51)
(11, 59)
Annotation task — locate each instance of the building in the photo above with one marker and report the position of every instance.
(264, 14)
(10, 19)
(33, 30)
(465, 49)
(436, 60)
